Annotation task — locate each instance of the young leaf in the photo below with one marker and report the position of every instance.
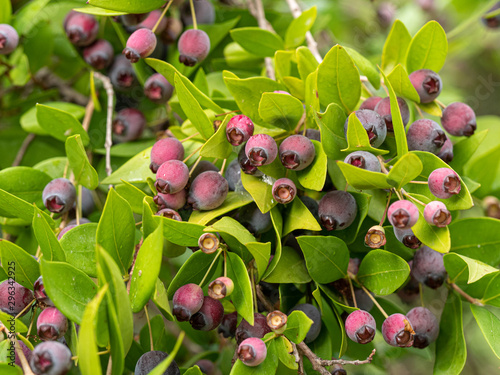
(258, 41)
(296, 31)
(59, 124)
(132, 194)
(363, 179)
(297, 326)
(17, 324)
(23, 264)
(401, 84)
(306, 62)
(331, 125)
(314, 176)
(134, 170)
(406, 169)
(242, 295)
(357, 137)
(395, 46)
(180, 232)
(291, 268)
(261, 190)
(281, 110)
(489, 325)
(365, 66)
(261, 252)
(217, 146)
(160, 299)
(79, 245)
(47, 240)
(299, 217)
(431, 108)
(84, 173)
(465, 269)
(12, 206)
(428, 48)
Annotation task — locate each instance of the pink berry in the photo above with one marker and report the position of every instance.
(23, 297)
(436, 213)
(398, 331)
(81, 28)
(444, 183)
(252, 351)
(459, 119)
(151, 20)
(187, 301)
(158, 89)
(194, 46)
(9, 39)
(172, 177)
(360, 326)
(128, 125)
(297, 152)
(427, 83)
(140, 44)
(51, 324)
(164, 150)
(426, 326)
(239, 130)
(370, 103)
(261, 149)
(208, 191)
(284, 190)
(174, 201)
(403, 214)
(99, 55)
(122, 74)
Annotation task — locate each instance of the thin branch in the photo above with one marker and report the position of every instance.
(311, 42)
(263, 299)
(109, 119)
(46, 79)
(320, 364)
(470, 299)
(263, 24)
(24, 362)
(22, 150)
(89, 111)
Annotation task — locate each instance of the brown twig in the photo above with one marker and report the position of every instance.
(89, 111)
(263, 24)
(298, 359)
(470, 299)
(46, 79)
(24, 362)
(22, 149)
(263, 299)
(320, 364)
(109, 119)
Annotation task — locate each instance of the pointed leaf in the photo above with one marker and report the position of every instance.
(281, 110)
(314, 176)
(428, 48)
(60, 124)
(357, 137)
(217, 146)
(15, 259)
(242, 293)
(462, 268)
(396, 46)
(258, 41)
(405, 170)
(47, 240)
(296, 31)
(84, 173)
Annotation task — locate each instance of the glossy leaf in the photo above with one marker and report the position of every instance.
(217, 146)
(133, 195)
(331, 125)
(297, 326)
(12, 206)
(291, 268)
(47, 240)
(365, 66)
(135, 169)
(405, 170)
(79, 245)
(25, 183)
(29, 121)
(296, 31)
(83, 171)
(462, 268)
(258, 41)
(306, 62)
(233, 201)
(242, 294)
(363, 179)
(180, 232)
(59, 124)
(401, 84)
(357, 138)
(160, 299)
(395, 46)
(299, 217)
(314, 176)
(281, 110)
(261, 190)
(428, 48)
(96, 11)
(18, 263)
(131, 6)
(463, 150)
(489, 324)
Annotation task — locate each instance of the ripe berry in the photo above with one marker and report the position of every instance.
(221, 287)
(187, 301)
(428, 267)
(59, 195)
(427, 83)
(208, 243)
(337, 210)
(99, 55)
(252, 351)
(258, 330)
(374, 125)
(206, 366)
(383, 108)
(284, 190)
(313, 134)
(164, 150)
(22, 297)
(158, 89)
(203, 166)
(403, 214)
(122, 74)
(209, 316)
(151, 20)
(233, 176)
(51, 324)
(410, 292)
(171, 177)
(261, 149)
(297, 152)
(128, 125)
(170, 214)
(339, 370)
(407, 238)
(81, 28)
(459, 119)
(315, 315)
(40, 294)
(88, 205)
(426, 326)
(193, 46)
(132, 19)
(360, 327)
(173, 201)
(370, 103)
(254, 220)
(446, 152)
(397, 331)
(444, 183)
(51, 358)
(239, 129)
(425, 135)
(9, 39)
(364, 160)
(245, 164)
(208, 191)
(437, 214)
(228, 325)
(140, 44)
(149, 360)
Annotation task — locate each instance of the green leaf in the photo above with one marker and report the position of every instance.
(134, 170)
(431, 108)
(19, 264)
(283, 347)
(25, 183)
(428, 48)
(47, 240)
(492, 290)
(357, 137)
(96, 11)
(235, 235)
(180, 232)
(297, 326)
(84, 173)
(465, 269)
(8, 369)
(314, 176)
(117, 351)
(59, 124)
(16, 324)
(291, 268)
(233, 201)
(281, 110)
(218, 146)
(406, 169)
(160, 299)
(299, 217)
(489, 324)
(365, 66)
(116, 230)
(363, 179)
(261, 252)
(331, 125)
(326, 257)
(5, 11)
(53, 167)
(88, 359)
(261, 190)
(146, 270)
(12, 206)
(338, 80)
(466, 148)
(163, 365)
(395, 46)
(69, 288)
(191, 107)
(242, 293)
(130, 6)
(132, 194)
(451, 352)
(296, 31)
(382, 272)
(402, 85)
(306, 62)
(79, 245)
(258, 41)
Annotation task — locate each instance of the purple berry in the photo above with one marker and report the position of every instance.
(428, 267)
(51, 358)
(337, 210)
(122, 74)
(14, 297)
(128, 125)
(383, 108)
(40, 294)
(261, 149)
(81, 28)
(284, 190)
(151, 20)
(88, 205)
(425, 325)
(51, 324)
(245, 164)
(360, 327)
(9, 39)
(407, 238)
(164, 150)
(204, 11)
(427, 83)
(364, 160)
(254, 220)
(459, 119)
(149, 360)
(172, 177)
(203, 166)
(158, 89)
(315, 315)
(228, 325)
(374, 125)
(187, 301)
(140, 44)
(436, 213)
(208, 191)
(444, 183)
(233, 176)
(370, 103)
(239, 130)
(252, 351)
(169, 214)
(206, 366)
(173, 201)
(398, 331)
(297, 152)
(258, 330)
(410, 292)
(425, 135)
(403, 214)
(313, 134)
(133, 19)
(99, 55)
(446, 152)
(194, 46)
(209, 316)
(59, 195)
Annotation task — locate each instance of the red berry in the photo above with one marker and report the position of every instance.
(194, 46)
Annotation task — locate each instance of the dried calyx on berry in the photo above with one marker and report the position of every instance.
(375, 237)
